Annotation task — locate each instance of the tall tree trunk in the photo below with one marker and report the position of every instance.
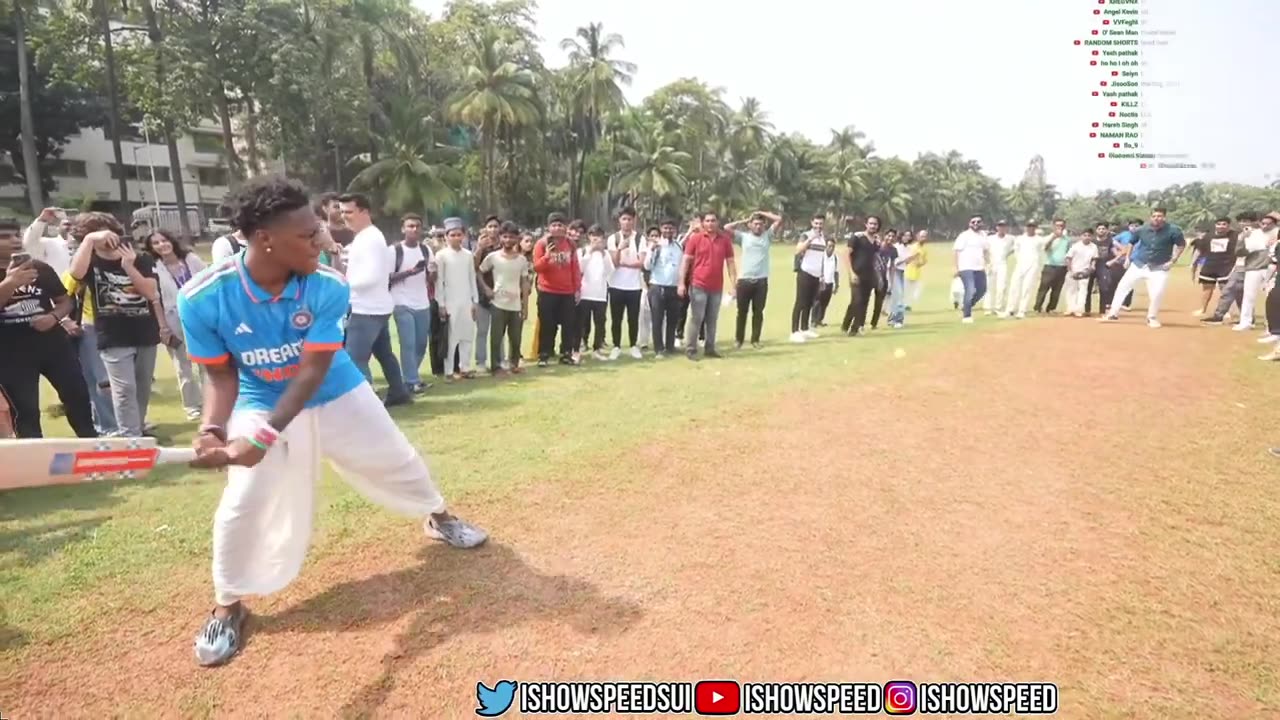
(166, 123)
(30, 163)
(109, 55)
(234, 167)
(251, 134)
(366, 52)
(491, 157)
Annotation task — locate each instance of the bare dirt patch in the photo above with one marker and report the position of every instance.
(1053, 500)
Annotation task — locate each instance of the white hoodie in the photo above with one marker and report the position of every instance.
(596, 269)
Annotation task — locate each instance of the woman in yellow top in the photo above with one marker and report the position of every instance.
(80, 327)
(915, 265)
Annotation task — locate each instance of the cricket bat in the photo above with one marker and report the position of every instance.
(34, 463)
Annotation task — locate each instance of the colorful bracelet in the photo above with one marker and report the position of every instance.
(266, 435)
(258, 444)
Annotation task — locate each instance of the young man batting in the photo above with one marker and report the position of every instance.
(282, 393)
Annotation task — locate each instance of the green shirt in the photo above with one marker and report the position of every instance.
(755, 254)
(1058, 252)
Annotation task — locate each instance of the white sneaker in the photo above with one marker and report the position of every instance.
(679, 343)
(1153, 323)
(967, 321)
(600, 355)
(811, 334)
(896, 326)
(1269, 338)
(1021, 316)
(1197, 313)
(798, 337)
(636, 354)
(615, 353)
(1076, 314)
(1239, 327)
(1108, 318)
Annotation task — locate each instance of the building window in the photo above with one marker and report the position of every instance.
(68, 168)
(207, 143)
(213, 176)
(139, 172)
(129, 133)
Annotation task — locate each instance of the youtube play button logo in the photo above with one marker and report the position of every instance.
(717, 697)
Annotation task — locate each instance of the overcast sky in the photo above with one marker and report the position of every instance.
(1002, 77)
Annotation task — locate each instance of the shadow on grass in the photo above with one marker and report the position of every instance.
(452, 592)
(25, 503)
(11, 638)
(30, 546)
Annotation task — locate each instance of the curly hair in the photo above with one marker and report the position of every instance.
(263, 199)
(91, 222)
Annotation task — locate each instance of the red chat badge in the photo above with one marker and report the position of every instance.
(717, 697)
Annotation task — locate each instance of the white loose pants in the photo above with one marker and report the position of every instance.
(1021, 287)
(262, 528)
(1077, 292)
(997, 287)
(1156, 281)
(645, 334)
(462, 336)
(1253, 282)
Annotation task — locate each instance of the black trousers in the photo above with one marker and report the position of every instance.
(629, 301)
(555, 312)
(820, 305)
(665, 307)
(1051, 281)
(752, 294)
(860, 297)
(1105, 280)
(51, 355)
(588, 311)
(439, 340)
(806, 294)
(1273, 310)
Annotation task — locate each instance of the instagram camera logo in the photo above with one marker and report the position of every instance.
(900, 697)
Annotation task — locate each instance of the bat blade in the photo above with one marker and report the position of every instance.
(35, 463)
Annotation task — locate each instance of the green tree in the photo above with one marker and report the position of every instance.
(412, 172)
(597, 85)
(652, 168)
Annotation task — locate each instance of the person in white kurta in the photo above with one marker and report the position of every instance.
(1000, 246)
(457, 296)
(1028, 256)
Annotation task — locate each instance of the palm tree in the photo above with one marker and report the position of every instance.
(598, 81)
(495, 92)
(652, 168)
(750, 126)
(412, 172)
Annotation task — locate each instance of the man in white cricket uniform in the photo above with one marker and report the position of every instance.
(999, 245)
(1028, 256)
(281, 394)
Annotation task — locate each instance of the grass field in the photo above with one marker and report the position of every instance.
(1010, 499)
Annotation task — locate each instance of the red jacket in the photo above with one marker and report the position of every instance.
(556, 262)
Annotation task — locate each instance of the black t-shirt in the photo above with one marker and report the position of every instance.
(121, 315)
(27, 303)
(1106, 249)
(1219, 254)
(863, 254)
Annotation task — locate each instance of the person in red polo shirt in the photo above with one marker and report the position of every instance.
(559, 283)
(707, 253)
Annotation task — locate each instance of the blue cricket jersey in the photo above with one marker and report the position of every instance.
(226, 317)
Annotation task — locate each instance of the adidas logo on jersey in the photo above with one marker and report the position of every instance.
(243, 329)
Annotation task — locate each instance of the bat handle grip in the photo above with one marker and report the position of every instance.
(167, 456)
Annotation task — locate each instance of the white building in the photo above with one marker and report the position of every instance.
(87, 171)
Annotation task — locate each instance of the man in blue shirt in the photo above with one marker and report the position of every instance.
(281, 394)
(1156, 248)
(753, 283)
(663, 259)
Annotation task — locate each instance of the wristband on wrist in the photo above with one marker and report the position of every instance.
(264, 436)
(258, 444)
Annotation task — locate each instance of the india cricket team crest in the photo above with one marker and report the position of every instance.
(302, 319)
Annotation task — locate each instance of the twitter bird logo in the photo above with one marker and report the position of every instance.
(494, 702)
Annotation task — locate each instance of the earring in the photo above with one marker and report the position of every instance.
(268, 249)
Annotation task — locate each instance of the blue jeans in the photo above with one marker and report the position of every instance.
(898, 295)
(369, 336)
(95, 375)
(414, 329)
(975, 286)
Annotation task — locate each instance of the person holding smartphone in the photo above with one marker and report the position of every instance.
(52, 251)
(33, 343)
(127, 317)
(409, 292)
